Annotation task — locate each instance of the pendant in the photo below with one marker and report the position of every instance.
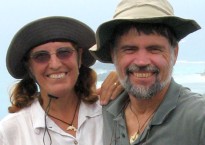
(71, 127)
(134, 137)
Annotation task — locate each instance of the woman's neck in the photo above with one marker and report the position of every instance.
(64, 103)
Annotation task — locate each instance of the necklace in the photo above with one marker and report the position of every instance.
(136, 134)
(70, 125)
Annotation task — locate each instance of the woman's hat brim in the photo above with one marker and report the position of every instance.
(45, 30)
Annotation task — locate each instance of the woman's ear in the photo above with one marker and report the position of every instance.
(29, 70)
(80, 53)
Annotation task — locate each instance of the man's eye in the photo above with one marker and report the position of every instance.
(129, 49)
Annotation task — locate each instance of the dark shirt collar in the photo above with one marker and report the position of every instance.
(117, 106)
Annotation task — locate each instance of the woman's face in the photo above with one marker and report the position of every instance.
(55, 66)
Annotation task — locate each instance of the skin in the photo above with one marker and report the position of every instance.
(110, 88)
(143, 50)
(58, 77)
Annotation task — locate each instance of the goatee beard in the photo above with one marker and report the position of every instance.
(144, 92)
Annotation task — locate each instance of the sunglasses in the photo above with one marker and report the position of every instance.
(44, 56)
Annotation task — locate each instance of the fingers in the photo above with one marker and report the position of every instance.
(107, 87)
(116, 91)
(98, 91)
(110, 88)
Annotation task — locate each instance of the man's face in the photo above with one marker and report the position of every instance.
(144, 63)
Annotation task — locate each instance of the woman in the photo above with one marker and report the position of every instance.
(55, 100)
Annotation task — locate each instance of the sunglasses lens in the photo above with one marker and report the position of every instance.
(41, 57)
(44, 56)
(64, 53)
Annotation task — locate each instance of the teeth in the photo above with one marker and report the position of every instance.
(57, 76)
(142, 75)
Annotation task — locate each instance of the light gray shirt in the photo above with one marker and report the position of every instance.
(179, 120)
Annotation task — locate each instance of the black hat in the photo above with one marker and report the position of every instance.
(44, 30)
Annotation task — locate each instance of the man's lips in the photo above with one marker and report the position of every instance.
(142, 75)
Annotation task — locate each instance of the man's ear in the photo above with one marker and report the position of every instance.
(176, 49)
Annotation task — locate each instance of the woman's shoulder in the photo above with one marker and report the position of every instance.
(93, 109)
(14, 118)
(17, 119)
(93, 106)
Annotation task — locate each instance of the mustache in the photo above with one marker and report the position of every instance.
(135, 68)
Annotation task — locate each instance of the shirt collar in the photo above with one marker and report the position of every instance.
(38, 119)
(117, 106)
(37, 115)
(86, 111)
(169, 103)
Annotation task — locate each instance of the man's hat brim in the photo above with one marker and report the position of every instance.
(180, 27)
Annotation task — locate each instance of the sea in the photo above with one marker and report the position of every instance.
(190, 74)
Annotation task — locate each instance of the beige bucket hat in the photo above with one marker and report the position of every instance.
(140, 11)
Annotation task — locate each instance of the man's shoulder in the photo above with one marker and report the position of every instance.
(120, 100)
(115, 107)
(192, 104)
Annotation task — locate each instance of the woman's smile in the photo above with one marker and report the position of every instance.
(57, 75)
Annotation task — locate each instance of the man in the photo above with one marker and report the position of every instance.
(142, 42)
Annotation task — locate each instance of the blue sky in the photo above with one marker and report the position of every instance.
(14, 14)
